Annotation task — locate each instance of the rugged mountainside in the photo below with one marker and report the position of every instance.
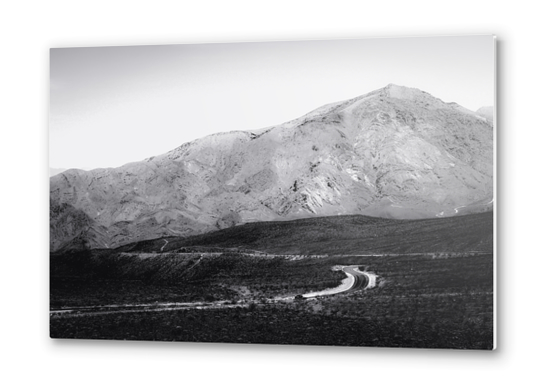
(396, 152)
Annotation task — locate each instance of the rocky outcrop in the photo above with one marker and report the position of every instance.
(396, 152)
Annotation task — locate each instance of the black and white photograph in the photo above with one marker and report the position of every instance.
(332, 192)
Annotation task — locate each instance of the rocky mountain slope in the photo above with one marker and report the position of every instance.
(396, 152)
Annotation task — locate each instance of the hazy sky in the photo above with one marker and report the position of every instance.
(114, 105)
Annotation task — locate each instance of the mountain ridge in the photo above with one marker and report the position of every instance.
(395, 152)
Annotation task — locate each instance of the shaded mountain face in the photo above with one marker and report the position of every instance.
(396, 152)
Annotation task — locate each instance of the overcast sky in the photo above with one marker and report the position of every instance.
(114, 105)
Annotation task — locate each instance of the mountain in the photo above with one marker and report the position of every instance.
(396, 152)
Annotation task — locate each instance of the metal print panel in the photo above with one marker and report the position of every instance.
(333, 193)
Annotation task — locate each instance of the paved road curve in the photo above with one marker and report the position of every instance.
(361, 280)
(356, 281)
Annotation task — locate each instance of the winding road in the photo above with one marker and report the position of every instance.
(361, 279)
(355, 281)
(162, 249)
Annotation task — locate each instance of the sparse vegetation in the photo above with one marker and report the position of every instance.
(101, 277)
(344, 235)
(440, 298)
(425, 301)
(420, 301)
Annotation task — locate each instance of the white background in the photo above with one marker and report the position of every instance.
(29, 29)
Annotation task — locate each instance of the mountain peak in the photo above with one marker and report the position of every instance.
(392, 85)
(401, 92)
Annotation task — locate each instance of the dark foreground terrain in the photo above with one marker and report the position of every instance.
(423, 300)
(343, 235)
